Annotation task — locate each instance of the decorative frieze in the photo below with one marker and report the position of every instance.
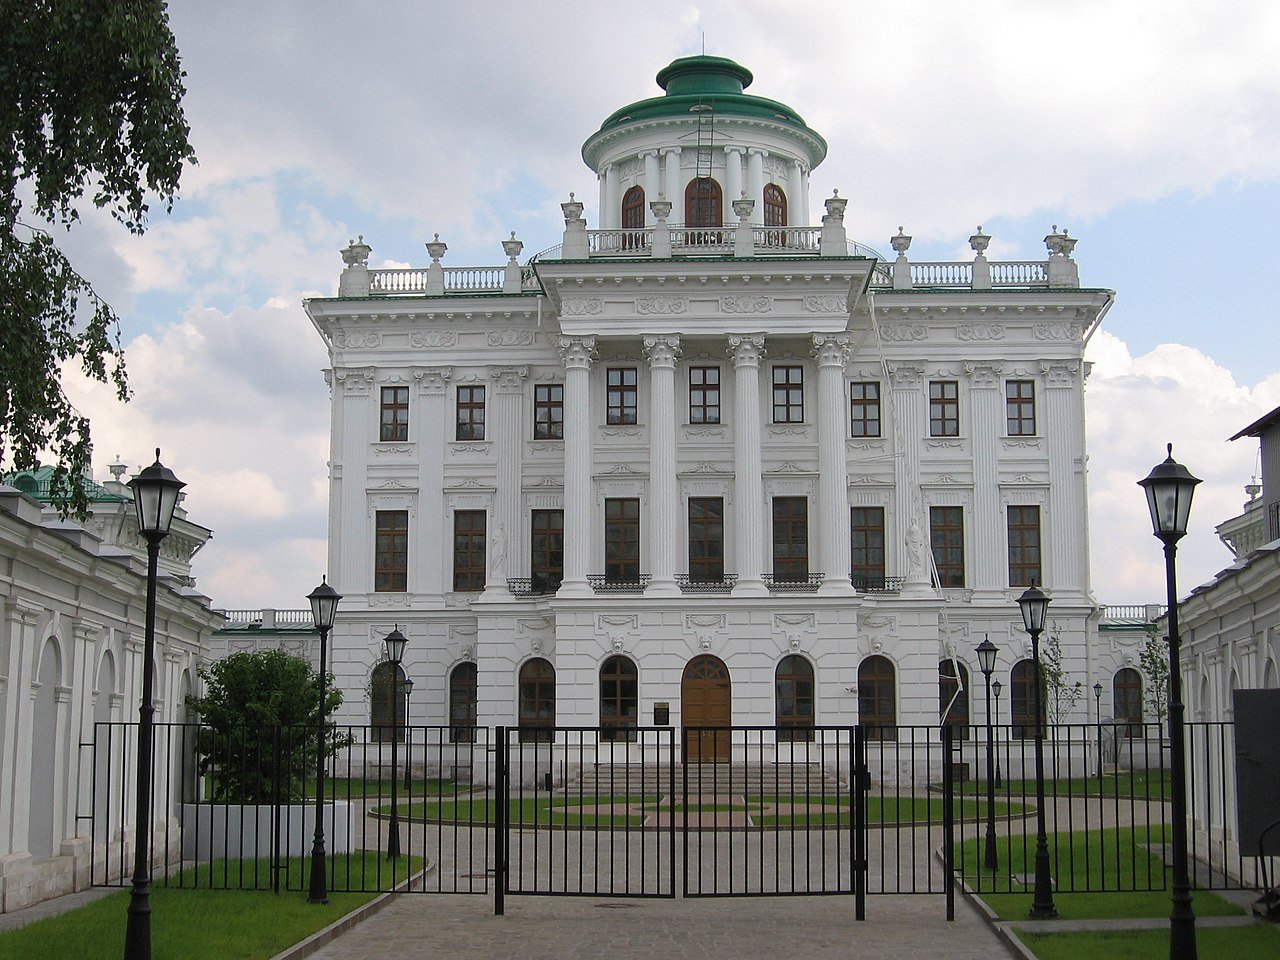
(904, 332)
(1058, 331)
(979, 331)
(825, 303)
(510, 338)
(746, 303)
(581, 306)
(662, 306)
(432, 339)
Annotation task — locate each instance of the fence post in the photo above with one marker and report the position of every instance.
(948, 819)
(500, 821)
(860, 779)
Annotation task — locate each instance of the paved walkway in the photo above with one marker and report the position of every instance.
(566, 928)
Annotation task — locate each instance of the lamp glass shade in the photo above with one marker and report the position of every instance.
(1034, 604)
(155, 497)
(997, 686)
(1169, 487)
(1097, 691)
(987, 656)
(407, 686)
(395, 641)
(324, 605)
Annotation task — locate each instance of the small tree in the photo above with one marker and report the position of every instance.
(1153, 658)
(1061, 695)
(259, 720)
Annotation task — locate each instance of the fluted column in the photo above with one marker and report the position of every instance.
(749, 505)
(611, 211)
(798, 197)
(652, 181)
(732, 174)
(508, 416)
(988, 567)
(833, 467)
(908, 535)
(1059, 423)
(664, 499)
(671, 182)
(755, 178)
(577, 353)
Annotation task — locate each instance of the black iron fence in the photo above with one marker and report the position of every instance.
(665, 812)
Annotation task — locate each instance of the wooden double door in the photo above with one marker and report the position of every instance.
(706, 701)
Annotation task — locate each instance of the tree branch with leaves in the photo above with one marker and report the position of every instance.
(90, 103)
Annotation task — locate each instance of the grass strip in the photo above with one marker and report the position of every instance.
(190, 922)
(1212, 943)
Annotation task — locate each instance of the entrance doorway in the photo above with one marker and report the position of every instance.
(706, 701)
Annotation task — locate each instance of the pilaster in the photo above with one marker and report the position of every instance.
(508, 417)
(664, 513)
(987, 562)
(15, 750)
(577, 354)
(1060, 424)
(428, 570)
(749, 506)
(832, 352)
(349, 464)
(905, 380)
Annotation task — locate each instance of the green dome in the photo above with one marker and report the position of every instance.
(715, 81)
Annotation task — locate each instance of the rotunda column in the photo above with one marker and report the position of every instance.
(732, 174)
(611, 210)
(755, 178)
(652, 181)
(671, 178)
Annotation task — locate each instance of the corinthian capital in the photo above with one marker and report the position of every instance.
(831, 350)
(746, 351)
(662, 351)
(577, 351)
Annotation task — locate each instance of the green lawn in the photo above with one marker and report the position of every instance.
(542, 811)
(905, 810)
(1111, 861)
(1139, 784)
(198, 923)
(1260, 942)
(342, 788)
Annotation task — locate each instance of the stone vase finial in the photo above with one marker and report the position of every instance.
(835, 205)
(901, 243)
(979, 242)
(512, 247)
(1053, 242)
(356, 252)
(572, 210)
(436, 249)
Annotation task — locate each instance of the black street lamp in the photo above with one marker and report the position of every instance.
(1097, 701)
(324, 606)
(1034, 605)
(996, 687)
(1170, 487)
(987, 662)
(395, 641)
(408, 739)
(155, 496)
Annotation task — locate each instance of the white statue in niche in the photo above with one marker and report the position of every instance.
(915, 552)
(498, 554)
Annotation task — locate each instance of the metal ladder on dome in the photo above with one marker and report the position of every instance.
(706, 119)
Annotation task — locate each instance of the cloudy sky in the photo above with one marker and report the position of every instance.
(1150, 129)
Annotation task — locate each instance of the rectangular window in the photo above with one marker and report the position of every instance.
(468, 550)
(395, 414)
(1020, 407)
(391, 551)
(866, 547)
(788, 394)
(622, 540)
(790, 539)
(704, 394)
(944, 408)
(946, 537)
(706, 539)
(470, 413)
(548, 411)
(546, 562)
(622, 395)
(864, 409)
(1024, 547)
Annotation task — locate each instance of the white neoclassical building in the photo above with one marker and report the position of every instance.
(72, 624)
(710, 461)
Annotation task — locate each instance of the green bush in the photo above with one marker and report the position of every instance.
(259, 726)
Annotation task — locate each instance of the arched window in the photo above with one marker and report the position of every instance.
(383, 719)
(619, 699)
(876, 702)
(955, 695)
(1022, 703)
(1126, 700)
(462, 703)
(704, 206)
(537, 712)
(633, 208)
(793, 698)
(775, 206)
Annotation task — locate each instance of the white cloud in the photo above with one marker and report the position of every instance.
(1135, 405)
